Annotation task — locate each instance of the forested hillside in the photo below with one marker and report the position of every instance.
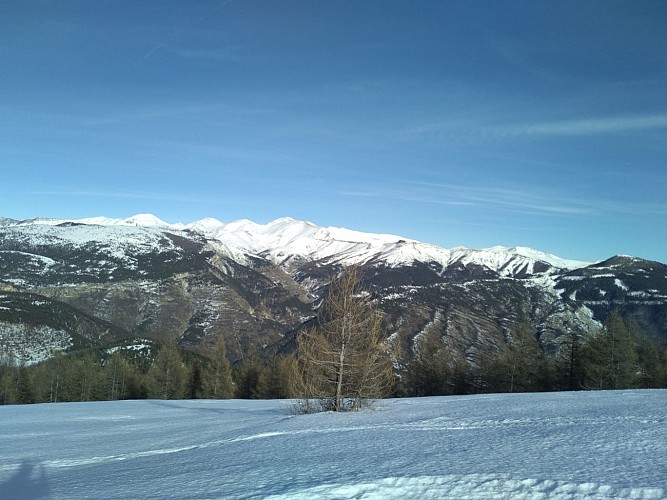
(104, 308)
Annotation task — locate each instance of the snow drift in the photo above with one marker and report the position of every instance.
(596, 445)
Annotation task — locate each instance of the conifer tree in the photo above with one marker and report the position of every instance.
(122, 378)
(569, 362)
(518, 367)
(7, 378)
(167, 376)
(429, 373)
(252, 380)
(610, 356)
(195, 382)
(218, 382)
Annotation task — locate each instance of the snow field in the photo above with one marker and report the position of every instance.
(596, 445)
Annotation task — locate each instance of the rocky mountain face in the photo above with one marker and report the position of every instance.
(69, 284)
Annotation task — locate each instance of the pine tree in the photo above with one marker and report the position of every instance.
(167, 376)
(218, 382)
(7, 378)
(23, 388)
(278, 377)
(568, 362)
(122, 378)
(429, 373)
(195, 382)
(651, 369)
(610, 356)
(252, 380)
(519, 367)
(82, 378)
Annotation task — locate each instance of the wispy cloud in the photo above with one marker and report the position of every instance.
(489, 127)
(216, 53)
(525, 199)
(585, 126)
(515, 199)
(121, 195)
(405, 196)
(185, 29)
(153, 49)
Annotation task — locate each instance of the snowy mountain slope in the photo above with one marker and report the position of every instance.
(256, 283)
(118, 246)
(33, 327)
(148, 280)
(286, 240)
(635, 287)
(586, 445)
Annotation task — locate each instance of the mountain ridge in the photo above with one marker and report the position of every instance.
(257, 284)
(305, 239)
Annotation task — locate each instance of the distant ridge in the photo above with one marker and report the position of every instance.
(83, 282)
(285, 240)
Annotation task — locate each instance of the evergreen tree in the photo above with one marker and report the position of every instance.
(122, 378)
(218, 382)
(651, 368)
(167, 376)
(568, 362)
(519, 367)
(23, 388)
(82, 378)
(252, 379)
(55, 375)
(278, 377)
(195, 384)
(429, 373)
(7, 378)
(610, 356)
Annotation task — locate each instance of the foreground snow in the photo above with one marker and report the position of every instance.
(559, 445)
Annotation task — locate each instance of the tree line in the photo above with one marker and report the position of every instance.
(342, 363)
(618, 356)
(171, 374)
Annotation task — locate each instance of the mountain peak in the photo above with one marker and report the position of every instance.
(206, 224)
(286, 240)
(144, 220)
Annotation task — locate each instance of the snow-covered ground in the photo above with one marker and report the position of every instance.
(559, 445)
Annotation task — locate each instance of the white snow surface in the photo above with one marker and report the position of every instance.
(591, 445)
(121, 241)
(286, 240)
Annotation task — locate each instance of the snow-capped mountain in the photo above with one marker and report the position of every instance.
(257, 283)
(285, 241)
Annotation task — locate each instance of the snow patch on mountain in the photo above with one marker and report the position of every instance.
(113, 240)
(287, 242)
(28, 345)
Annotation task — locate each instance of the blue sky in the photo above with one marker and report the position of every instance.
(475, 124)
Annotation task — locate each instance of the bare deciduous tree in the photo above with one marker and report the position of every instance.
(341, 362)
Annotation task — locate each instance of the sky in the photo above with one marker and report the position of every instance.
(476, 123)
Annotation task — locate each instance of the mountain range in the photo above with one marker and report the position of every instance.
(67, 284)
